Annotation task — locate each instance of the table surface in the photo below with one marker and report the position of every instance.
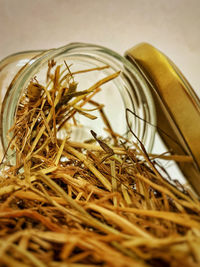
(172, 26)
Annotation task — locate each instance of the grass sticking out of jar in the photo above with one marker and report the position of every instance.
(97, 203)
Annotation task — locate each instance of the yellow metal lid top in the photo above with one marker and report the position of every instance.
(177, 106)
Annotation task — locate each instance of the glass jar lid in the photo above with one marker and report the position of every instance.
(177, 106)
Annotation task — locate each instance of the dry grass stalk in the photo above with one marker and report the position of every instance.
(85, 204)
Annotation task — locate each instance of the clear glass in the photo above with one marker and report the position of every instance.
(128, 90)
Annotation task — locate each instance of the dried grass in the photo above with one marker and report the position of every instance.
(85, 204)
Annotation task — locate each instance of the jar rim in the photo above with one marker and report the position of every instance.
(32, 67)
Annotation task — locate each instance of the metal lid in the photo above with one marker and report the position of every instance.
(177, 106)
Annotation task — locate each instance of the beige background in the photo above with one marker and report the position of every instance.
(173, 26)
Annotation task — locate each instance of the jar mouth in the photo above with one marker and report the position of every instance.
(129, 90)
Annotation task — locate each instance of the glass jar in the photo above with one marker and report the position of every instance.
(149, 83)
(128, 90)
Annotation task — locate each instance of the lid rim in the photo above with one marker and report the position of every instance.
(180, 106)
